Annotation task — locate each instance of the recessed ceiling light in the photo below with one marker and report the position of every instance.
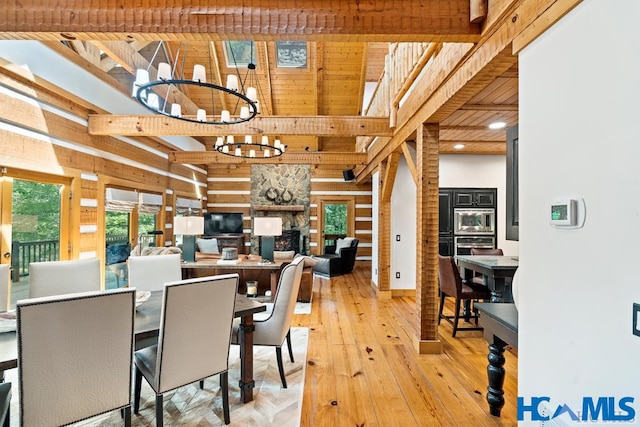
(497, 125)
(458, 146)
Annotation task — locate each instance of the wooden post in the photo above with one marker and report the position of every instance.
(427, 238)
(384, 227)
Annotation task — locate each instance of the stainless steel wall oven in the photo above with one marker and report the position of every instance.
(474, 221)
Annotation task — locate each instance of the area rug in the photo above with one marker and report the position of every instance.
(302, 308)
(190, 406)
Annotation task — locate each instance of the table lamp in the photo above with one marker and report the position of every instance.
(189, 227)
(267, 227)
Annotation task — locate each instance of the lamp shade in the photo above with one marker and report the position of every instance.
(267, 226)
(188, 225)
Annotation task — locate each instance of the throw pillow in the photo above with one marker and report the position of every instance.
(283, 255)
(343, 243)
(208, 246)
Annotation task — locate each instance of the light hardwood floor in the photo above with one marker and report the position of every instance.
(362, 369)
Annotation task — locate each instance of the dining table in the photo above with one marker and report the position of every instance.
(147, 325)
(497, 270)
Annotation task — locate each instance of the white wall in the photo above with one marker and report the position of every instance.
(580, 135)
(375, 189)
(403, 223)
(461, 170)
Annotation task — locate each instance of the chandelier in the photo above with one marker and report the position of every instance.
(154, 94)
(249, 148)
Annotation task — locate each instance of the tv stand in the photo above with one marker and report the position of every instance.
(230, 240)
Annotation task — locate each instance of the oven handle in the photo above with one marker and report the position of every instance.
(475, 246)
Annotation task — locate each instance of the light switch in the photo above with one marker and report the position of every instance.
(636, 319)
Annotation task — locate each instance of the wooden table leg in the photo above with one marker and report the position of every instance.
(246, 359)
(274, 284)
(496, 372)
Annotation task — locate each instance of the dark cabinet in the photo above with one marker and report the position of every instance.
(445, 247)
(470, 198)
(445, 208)
(513, 221)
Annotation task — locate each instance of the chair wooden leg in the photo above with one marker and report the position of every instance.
(137, 386)
(456, 318)
(224, 386)
(442, 297)
(159, 411)
(289, 345)
(280, 366)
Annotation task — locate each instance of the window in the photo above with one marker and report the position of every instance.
(239, 53)
(291, 54)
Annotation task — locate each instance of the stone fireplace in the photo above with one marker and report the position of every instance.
(283, 191)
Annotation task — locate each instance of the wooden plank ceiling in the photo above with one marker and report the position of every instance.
(342, 55)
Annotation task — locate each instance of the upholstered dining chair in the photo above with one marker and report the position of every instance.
(478, 279)
(273, 328)
(74, 356)
(63, 277)
(5, 282)
(195, 335)
(452, 285)
(150, 272)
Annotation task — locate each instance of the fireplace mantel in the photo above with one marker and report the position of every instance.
(279, 208)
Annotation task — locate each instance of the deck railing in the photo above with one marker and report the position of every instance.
(24, 253)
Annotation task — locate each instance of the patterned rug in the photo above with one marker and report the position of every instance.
(190, 406)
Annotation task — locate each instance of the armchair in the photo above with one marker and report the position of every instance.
(337, 259)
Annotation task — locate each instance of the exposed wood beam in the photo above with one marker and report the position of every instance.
(499, 148)
(489, 107)
(375, 20)
(218, 73)
(456, 127)
(318, 75)
(289, 158)
(384, 239)
(490, 59)
(389, 177)
(106, 124)
(268, 95)
(548, 18)
(478, 11)
(411, 162)
(427, 164)
(363, 76)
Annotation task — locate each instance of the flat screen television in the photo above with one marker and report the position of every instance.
(216, 223)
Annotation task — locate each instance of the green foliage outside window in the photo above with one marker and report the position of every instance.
(117, 224)
(146, 223)
(35, 211)
(335, 219)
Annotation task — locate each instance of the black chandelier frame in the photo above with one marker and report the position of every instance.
(143, 95)
(246, 147)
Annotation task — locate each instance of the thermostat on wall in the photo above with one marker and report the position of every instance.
(567, 213)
